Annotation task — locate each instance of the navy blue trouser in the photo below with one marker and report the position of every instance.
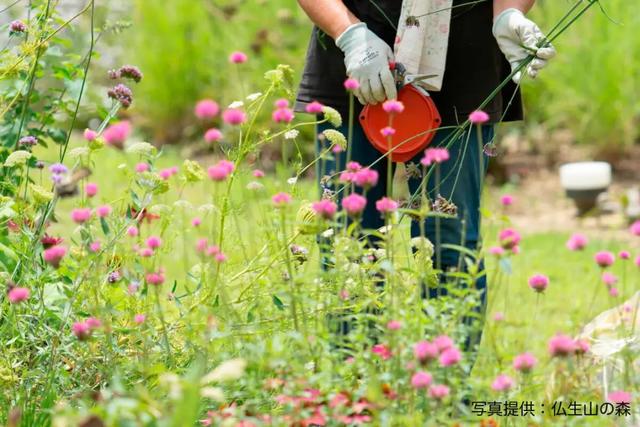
(460, 182)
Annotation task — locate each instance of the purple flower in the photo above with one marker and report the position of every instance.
(122, 94)
(130, 72)
(58, 169)
(28, 141)
(17, 27)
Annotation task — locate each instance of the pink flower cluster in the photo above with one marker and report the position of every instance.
(562, 345)
(434, 156)
(325, 208)
(206, 109)
(538, 282)
(386, 205)
(354, 204)
(221, 170)
(116, 134)
(234, 116)
(509, 239)
(282, 113)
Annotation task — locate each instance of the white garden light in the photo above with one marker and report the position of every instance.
(584, 181)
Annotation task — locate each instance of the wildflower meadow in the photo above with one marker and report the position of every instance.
(216, 283)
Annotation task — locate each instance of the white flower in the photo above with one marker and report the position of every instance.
(18, 157)
(184, 204)
(206, 208)
(291, 134)
(327, 233)
(254, 96)
(236, 104)
(254, 186)
(226, 371)
(213, 393)
(142, 148)
(292, 180)
(79, 152)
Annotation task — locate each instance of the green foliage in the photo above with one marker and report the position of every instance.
(591, 87)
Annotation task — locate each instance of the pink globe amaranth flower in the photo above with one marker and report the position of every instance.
(166, 173)
(434, 155)
(142, 167)
(450, 357)
(91, 189)
(154, 242)
(624, 255)
(103, 211)
(354, 166)
(498, 316)
(314, 107)
(81, 330)
(635, 228)
(282, 115)
(354, 204)
(581, 347)
(614, 292)
(351, 84)
(524, 362)
(116, 134)
(502, 383)
(146, 252)
(234, 116)
(346, 176)
(394, 325)
(227, 165)
(478, 117)
(238, 57)
(365, 178)
(609, 278)
(132, 231)
(90, 135)
(538, 282)
(438, 391)
(201, 245)
(386, 205)
(561, 346)
(196, 222)
(604, 259)
(18, 295)
(54, 255)
(95, 246)
(619, 396)
(497, 251)
(443, 342)
(381, 350)
(507, 200)
(220, 257)
(213, 250)
(257, 173)
(155, 278)
(213, 135)
(336, 149)
(93, 323)
(509, 238)
(392, 106)
(577, 242)
(281, 199)
(421, 379)
(139, 318)
(325, 208)
(387, 131)
(425, 351)
(206, 109)
(281, 103)
(80, 215)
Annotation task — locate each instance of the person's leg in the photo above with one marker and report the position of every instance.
(460, 182)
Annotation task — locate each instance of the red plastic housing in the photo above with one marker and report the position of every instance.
(415, 127)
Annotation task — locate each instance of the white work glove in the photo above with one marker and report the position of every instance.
(519, 37)
(367, 58)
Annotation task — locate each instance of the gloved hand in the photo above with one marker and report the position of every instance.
(519, 37)
(367, 58)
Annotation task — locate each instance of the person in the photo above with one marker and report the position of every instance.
(486, 41)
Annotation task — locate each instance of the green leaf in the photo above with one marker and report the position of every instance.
(277, 302)
(105, 226)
